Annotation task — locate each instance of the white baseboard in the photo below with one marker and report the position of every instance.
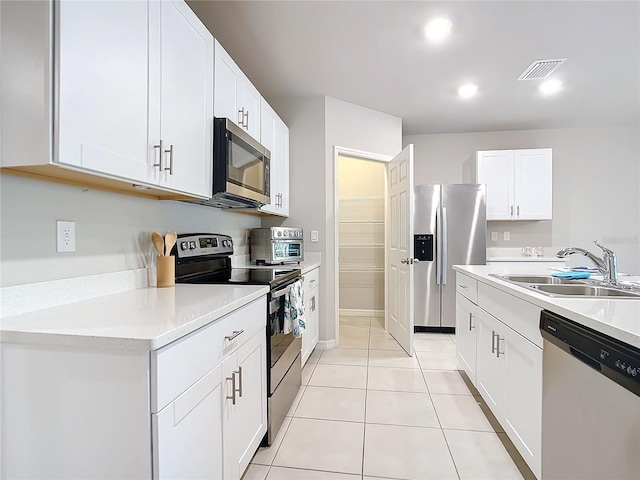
(326, 344)
(353, 312)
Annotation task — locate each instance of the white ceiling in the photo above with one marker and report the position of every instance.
(373, 53)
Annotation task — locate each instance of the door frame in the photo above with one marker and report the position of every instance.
(362, 155)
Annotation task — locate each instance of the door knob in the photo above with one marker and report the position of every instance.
(404, 260)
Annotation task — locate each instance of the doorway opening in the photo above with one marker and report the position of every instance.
(361, 213)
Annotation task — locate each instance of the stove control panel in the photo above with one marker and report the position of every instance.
(202, 244)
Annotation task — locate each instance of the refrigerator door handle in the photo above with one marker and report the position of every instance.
(438, 249)
(443, 248)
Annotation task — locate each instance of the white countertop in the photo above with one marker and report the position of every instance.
(618, 318)
(525, 259)
(140, 319)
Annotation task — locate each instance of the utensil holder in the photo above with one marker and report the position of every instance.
(166, 271)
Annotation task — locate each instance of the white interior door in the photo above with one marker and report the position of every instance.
(399, 248)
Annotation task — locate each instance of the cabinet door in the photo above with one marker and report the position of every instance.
(488, 364)
(245, 422)
(495, 169)
(466, 327)
(186, 100)
(533, 184)
(250, 100)
(522, 373)
(274, 136)
(268, 119)
(187, 433)
(228, 85)
(310, 335)
(282, 147)
(102, 87)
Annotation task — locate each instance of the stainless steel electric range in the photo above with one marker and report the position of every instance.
(205, 258)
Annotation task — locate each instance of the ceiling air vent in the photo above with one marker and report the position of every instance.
(541, 69)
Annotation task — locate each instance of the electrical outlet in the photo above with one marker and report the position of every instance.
(494, 236)
(66, 236)
(506, 235)
(314, 236)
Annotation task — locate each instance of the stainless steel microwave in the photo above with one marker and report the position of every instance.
(241, 168)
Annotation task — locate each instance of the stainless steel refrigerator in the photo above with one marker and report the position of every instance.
(450, 226)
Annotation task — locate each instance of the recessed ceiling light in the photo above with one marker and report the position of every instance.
(467, 91)
(551, 86)
(438, 29)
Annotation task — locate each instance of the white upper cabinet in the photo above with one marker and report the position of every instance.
(274, 135)
(519, 183)
(183, 90)
(235, 96)
(126, 77)
(103, 87)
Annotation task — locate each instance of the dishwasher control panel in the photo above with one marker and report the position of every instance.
(611, 357)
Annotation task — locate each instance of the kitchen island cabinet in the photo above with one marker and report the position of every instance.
(140, 390)
(510, 349)
(132, 84)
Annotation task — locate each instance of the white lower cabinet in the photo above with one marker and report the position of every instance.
(466, 333)
(171, 413)
(508, 366)
(187, 433)
(244, 419)
(312, 333)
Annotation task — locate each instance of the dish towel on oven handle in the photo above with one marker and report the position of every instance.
(294, 316)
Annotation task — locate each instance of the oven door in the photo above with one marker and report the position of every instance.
(283, 347)
(287, 250)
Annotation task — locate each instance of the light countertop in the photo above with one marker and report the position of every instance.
(618, 318)
(140, 319)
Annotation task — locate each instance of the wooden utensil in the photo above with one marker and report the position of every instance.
(170, 240)
(158, 242)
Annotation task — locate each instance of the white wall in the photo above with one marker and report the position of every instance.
(596, 184)
(316, 126)
(112, 230)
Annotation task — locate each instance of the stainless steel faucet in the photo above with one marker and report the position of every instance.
(608, 265)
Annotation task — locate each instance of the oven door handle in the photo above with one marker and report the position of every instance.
(282, 292)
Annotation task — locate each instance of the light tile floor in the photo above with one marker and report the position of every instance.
(368, 411)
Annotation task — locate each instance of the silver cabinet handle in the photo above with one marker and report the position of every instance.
(464, 287)
(518, 211)
(471, 326)
(512, 210)
(493, 341)
(233, 388)
(161, 148)
(498, 352)
(246, 115)
(170, 152)
(311, 282)
(241, 117)
(240, 381)
(234, 334)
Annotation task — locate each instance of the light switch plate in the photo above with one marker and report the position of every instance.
(494, 236)
(314, 236)
(506, 236)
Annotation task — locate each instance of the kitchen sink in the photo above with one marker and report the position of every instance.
(537, 279)
(584, 291)
(565, 287)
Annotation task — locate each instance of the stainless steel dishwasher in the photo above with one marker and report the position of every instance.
(590, 403)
